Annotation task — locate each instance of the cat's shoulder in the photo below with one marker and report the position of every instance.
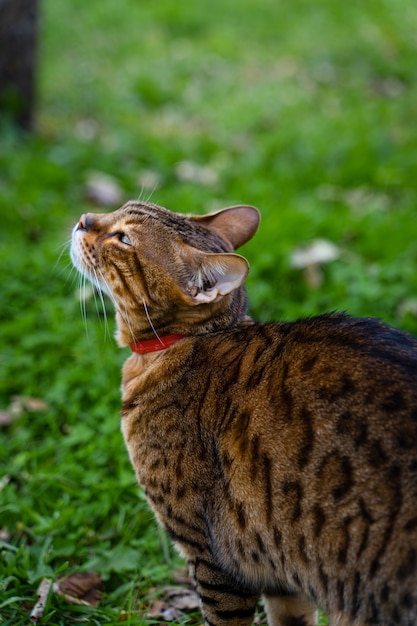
(334, 332)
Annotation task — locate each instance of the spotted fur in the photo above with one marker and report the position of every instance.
(280, 458)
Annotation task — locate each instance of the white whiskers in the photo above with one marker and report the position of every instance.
(148, 317)
(63, 249)
(98, 292)
(124, 315)
(83, 300)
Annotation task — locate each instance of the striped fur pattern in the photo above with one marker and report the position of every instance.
(280, 458)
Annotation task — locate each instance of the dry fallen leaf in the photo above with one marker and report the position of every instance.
(187, 171)
(84, 589)
(310, 258)
(5, 418)
(103, 189)
(182, 598)
(4, 535)
(42, 593)
(76, 589)
(80, 588)
(161, 610)
(20, 404)
(174, 600)
(318, 252)
(149, 180)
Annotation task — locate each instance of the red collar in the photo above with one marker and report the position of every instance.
(155, 344)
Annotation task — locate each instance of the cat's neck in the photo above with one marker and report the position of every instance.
(200, 320)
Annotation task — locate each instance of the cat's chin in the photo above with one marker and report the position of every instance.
(75, 257)
(121, 340)
(124, 334)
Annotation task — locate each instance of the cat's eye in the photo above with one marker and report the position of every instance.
(124, 239)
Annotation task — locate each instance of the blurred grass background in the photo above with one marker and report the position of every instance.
(306, 110)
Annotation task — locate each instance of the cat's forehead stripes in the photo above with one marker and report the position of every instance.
(190, 231)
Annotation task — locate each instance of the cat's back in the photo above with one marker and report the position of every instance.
(358, 374)
(348, 383)
(332, 357)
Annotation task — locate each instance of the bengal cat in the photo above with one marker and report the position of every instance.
(281, 458)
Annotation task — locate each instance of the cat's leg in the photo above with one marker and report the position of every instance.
(290, 609)
(223, 603)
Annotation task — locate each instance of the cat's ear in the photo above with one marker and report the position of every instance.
(237, 224)
(213, 275)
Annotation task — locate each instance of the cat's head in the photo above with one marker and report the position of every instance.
(178, 273)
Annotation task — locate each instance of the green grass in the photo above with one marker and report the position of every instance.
(306, 110)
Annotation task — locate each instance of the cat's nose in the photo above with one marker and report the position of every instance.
(83, 224)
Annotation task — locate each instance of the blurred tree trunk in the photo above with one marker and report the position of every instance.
(18, 43)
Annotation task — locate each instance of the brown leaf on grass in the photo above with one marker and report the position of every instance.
(75, 589)
(4, 534)
(20, 404)
(310, 258)
(317, 252)
(161, 610)
(174, 600)
(80, 588)
(5, 418)
(182, 598)
(187, 171)
(103, 189)
(149, 180)
(42, 593)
